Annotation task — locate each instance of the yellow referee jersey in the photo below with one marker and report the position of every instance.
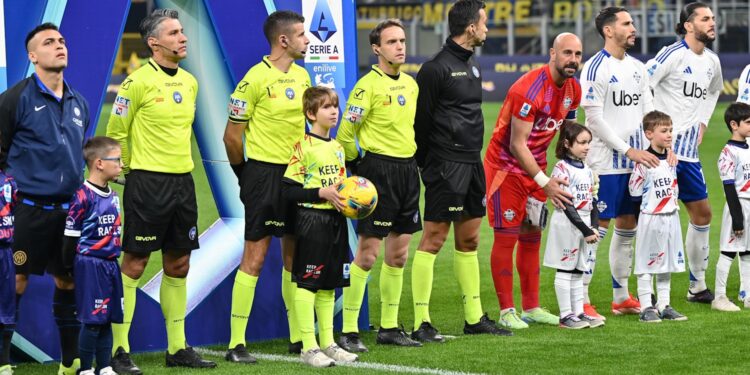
(316, 163)
(380, 113)
(269, 101)
(152, 119)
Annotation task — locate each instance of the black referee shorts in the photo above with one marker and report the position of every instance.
(453, 190)
(160, 212)
(397, 181)
(266, 210)
(38, 235)
(322, 259)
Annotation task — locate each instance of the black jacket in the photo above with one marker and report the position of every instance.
(449, 122)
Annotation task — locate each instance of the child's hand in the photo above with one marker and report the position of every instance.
(594, 238)
(331, 194)
(739, 233)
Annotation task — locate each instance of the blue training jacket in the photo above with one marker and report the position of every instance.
(41, 139)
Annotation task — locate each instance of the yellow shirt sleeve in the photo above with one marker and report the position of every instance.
(125, 106)
(356, 111)
(243, 100)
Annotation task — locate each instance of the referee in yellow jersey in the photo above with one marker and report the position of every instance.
(380, 114)
(266, 107)
(152, 119)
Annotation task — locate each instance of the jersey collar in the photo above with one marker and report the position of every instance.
(97, 190)
(658, 155)
(158, 68)
(380, 72)
(43, 88)
(739, 144)
(574, 162)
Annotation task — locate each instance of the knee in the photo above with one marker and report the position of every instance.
(469, 243)
(177, 268)
(21, 282)
(133, 267)
(398, 259)
(433, 241)
(365, 259)
(64, 282)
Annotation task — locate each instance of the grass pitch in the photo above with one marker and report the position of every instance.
(708, 342)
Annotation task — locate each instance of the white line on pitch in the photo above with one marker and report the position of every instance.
(359, 365)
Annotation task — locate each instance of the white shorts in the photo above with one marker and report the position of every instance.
(727, 241)
(658, 244)
(566, 249)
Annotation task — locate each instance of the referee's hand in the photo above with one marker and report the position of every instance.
(237, 169)
(331, 194)
(120, 180)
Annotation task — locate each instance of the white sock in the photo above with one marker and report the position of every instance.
(621, 262)
(662, 290)
(645, 289)
(576, 293)
(562, 290)
(591, 260)
(744, 276)
(722, 274)
(696, 245)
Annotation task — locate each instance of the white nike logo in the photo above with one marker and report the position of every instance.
(37, 109)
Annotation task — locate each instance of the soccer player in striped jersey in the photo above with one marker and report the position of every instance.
(616, 96)
(658, 245)
(743, 86)
(380, 114)
(686, 79)
(734, 164)
(266, 110)
(534, 109)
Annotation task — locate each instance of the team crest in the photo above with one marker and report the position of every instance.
(484, 201)
(191, 234)
(77, 111)
(177, 97)
(509, 215)
(567, 102)
(601, 206)
(289, 93)
(20, 258)
(401, 100)
(415, 218)
(8, 192)
(70, 222)
(637, 77)
(475, 71)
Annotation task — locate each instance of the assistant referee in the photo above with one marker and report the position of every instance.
(152, 119)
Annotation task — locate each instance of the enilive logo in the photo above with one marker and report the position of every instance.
(322, 25)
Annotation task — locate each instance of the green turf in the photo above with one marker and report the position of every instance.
(708, 342)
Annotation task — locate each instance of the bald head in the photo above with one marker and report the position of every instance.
(565, 55)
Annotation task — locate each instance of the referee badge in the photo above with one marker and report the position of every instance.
(177, 97)
(475, 71)
(192, 233)
(401, 100)
(289, 93)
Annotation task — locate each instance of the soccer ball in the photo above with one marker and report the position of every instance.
(360, 197)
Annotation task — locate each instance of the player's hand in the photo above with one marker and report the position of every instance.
(594, 238)
(555, 192)
(331, 194)
(237, 169)
(671, 158)
(120, 180)
(739, 233)
(701, 131)
(643, 157)
(595, 188)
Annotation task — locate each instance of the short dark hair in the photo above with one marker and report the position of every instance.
(37, 30)
(687, 14)
(391, 22)
(316, 97)
(98, 148)
(736, 112)
(462, 14)
(150, 24)
(655, 118)
(606, 17)
(278, 23)
(569, 132)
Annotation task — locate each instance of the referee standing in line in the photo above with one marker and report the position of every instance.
(152, 119)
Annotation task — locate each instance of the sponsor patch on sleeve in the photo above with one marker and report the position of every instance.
(354, 114)
(237, 107)
(525, 109)
(121, 106)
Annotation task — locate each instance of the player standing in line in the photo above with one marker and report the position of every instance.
(152, 119)
(449, 131)
(48, 168)
(321, 262)
(8, 195)
(686, 79)
(734, 164)
(571, 232)
(91, 247)
(380, 114)
(616, 96)
(658, 242)
(266, 107)
(535, 107)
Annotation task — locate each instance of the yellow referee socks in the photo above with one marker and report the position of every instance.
(324, 301)
(391, 282)
(304, 304)
(466, 268)
(422, 270)
(120, 331)
(288, 288)
(173, 298)
(353, 295)
(243, 293)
